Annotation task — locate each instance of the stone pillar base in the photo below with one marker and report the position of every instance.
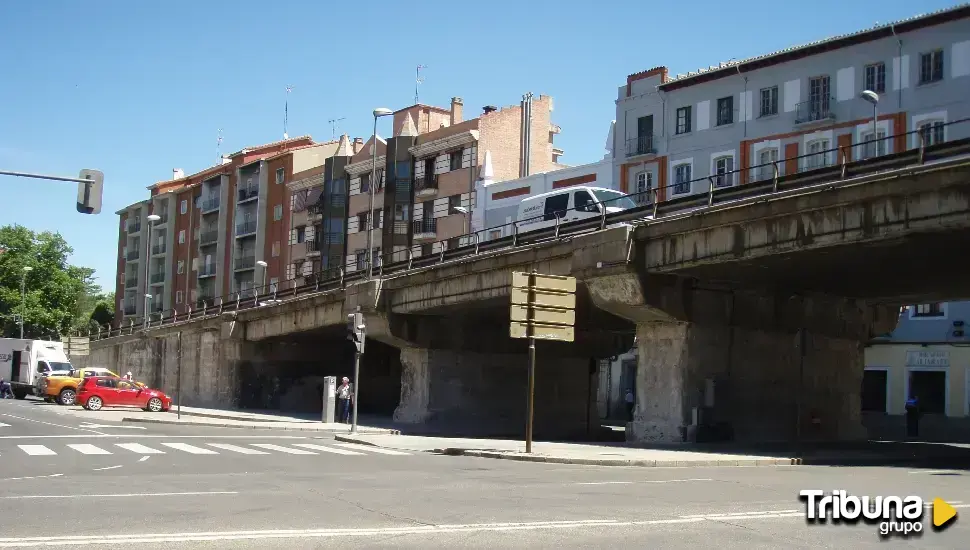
(654, 431)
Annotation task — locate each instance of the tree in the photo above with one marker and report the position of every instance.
(57, 295)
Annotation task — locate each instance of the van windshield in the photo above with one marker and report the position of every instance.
(57, 365)
(614, 199)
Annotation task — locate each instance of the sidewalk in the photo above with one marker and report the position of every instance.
(221, 418)
(862, 454)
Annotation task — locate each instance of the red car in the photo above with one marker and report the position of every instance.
(95, 392)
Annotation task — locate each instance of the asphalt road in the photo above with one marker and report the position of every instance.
(65, 481)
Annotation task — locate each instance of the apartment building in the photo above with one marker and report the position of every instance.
(793, 106)
(214, 229)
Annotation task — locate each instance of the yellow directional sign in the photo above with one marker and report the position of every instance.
(544, 298)
(542, 331)
(549, 315)
(558, 283)
(77, 345)
(942, 512)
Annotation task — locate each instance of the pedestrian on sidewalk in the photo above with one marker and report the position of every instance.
(630, 403)
(345, 397)
(912, 416)
(5, 392)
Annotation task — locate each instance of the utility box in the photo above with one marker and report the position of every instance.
(329, 398)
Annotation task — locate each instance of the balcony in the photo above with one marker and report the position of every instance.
(315, 211)
(641, 145)
(312, 247)
(158, 249)
(814, 110)
(209, 237)
(162, 218)
(210, 205)
(245, 228)
(132, 282)
(207, 270)
(424, 230)
(248, 193)
(158, 277)
(245, 262)
(132, 255)
(426, 186)
(134, 227)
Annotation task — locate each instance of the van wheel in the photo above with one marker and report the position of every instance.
(67, 397)
(20, 394)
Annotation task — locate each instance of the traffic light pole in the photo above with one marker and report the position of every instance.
(356, 333)
(353, 427)
(90, 187)
(530, 408)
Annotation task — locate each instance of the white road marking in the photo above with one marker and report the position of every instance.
(370, 449)
(282, 449)
(326, 449)
(236, 449)
(107, 468)
(931, 472)
(143, 459)
(742, 514)
(188, 493)
(2, 425)
(30, 477)
(189, 448)
(641, 481)
(88, 449)
(36, 450)
(86, 425)
(52, 424)
(139, 448)
(151, 436)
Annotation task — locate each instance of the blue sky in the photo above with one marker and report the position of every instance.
(137, 88)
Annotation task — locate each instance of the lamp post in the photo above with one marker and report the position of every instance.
(152, 218)
(148, 300)
(873, 97)
(378, 112)
(23, 298)
(462, 210)
(263, 265)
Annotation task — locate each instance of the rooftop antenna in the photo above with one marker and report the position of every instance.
(219, 146)
(286, 111)
(333, 127)
(418, 79)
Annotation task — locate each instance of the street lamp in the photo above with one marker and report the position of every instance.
(23, 298)
(462, 210)
(263, 265)
(378, 112)
(148, 299)
(152, 218)
(872, 97)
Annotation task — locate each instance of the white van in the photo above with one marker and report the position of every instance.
(24, 362)
(571, 204)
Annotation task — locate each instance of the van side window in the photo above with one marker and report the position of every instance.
(584, 202)
(556, 204)
(42, 367)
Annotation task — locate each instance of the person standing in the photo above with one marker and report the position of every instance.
(630, 403)
(345, 397)
(912, 416)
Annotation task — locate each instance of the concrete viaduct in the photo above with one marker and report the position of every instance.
(749, 315)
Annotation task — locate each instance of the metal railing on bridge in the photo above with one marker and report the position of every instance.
(750, 183)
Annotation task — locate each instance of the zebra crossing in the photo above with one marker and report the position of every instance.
(202, 449)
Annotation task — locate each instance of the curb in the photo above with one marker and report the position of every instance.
(129, 420)
(230, 417)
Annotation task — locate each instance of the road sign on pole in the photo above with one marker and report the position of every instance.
(543, 307)
(356, 333)
(76, 346)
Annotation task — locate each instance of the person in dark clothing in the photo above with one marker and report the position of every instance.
(912, 416)
(5, 391)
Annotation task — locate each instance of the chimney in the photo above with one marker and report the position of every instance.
(177, 173)
(489, 109)
(456, 106)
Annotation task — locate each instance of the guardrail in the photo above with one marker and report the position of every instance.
(655, 210)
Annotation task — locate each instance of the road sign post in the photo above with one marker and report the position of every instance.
(356, 333)
(543, 307)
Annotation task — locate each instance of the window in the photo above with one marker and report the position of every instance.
(428, 168)
(181, 267)
(644, 182)
(931, 67)
(723, 168)
(275, 249)
(928, 310)
(365, 182)
(454, 160)
(280, 175)
(931, 132)
(874, 390)
(376, 256)
(360, 257)
(681, 179)
(362, 221)
(725, 110)
(819, 97)
(377, 219)
(182, 236)
(556, 206)
(273, 284)
(300, 234)
(184, 206)
(494, 234)
(454, 201)
(278, 212)
(401, 212)
(876, 77)
(874, 147)
(178, 297)
(818, 150)
(766, 160)
(683, 120)
(769, 101)
(583, 202)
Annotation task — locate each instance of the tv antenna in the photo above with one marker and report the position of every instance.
(333, 126)
(286, 111)
(219, 146)
(418, 79)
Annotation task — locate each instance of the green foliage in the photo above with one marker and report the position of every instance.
(58, 298)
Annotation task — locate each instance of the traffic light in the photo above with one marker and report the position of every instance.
(89, 193)
(356, 330)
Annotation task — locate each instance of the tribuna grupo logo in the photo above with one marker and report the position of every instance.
(895, 516)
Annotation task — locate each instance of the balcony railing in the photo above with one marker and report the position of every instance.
(428, 225)
(248, 193)
(245, 228)
(245, 262)
(814, 110)
(210, 205)
(208, 237)
(134, 227)
(158, 249)
(132, 282)
(207, 270)
(426, 183)
(132, 255)
(312, 246)
(157, 278)
(640, 145)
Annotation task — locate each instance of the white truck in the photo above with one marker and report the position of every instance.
(24, 362)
